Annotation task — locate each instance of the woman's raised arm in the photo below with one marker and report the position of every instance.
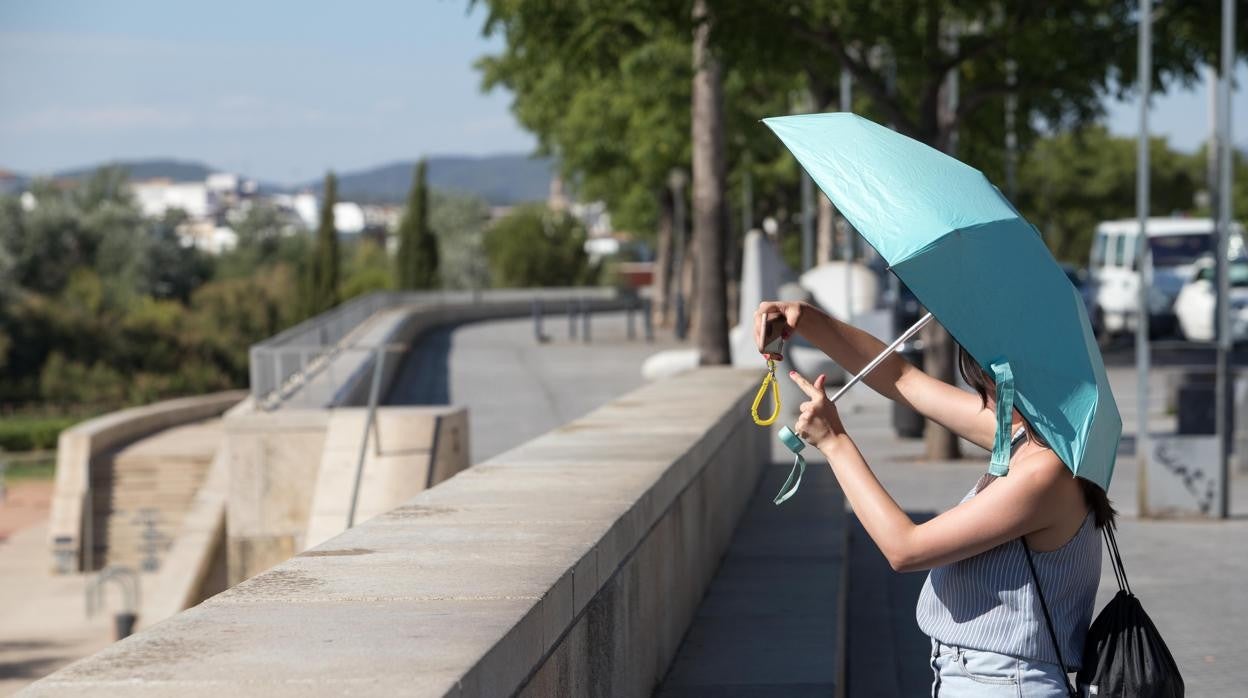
(957, 410)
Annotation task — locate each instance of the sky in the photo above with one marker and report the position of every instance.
(284, 90)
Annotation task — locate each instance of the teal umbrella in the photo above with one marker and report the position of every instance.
(981, 269)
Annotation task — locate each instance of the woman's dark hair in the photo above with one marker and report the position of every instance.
(979, 380)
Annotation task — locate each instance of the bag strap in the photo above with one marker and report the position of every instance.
(1120, 572)
(1048, 621)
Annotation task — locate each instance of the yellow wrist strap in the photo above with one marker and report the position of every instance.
(770, 378)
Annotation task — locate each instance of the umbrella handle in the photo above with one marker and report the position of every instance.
(914, 329)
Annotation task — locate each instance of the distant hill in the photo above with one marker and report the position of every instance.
(176, 170)
(499, 179)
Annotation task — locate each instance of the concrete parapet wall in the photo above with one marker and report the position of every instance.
(423, 318)
(410, 450)
(78, 445)
(272, 460)
(291, 473)
(571, 565)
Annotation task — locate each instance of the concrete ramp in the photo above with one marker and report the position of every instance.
(411, 449)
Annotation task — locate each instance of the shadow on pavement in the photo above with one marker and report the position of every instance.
(424, 376)
(885, 652)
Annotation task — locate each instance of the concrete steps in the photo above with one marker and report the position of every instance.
(142, 491)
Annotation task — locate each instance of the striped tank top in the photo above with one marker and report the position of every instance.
(988, 602)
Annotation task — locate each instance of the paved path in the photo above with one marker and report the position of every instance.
(516, 389)
(768, 623)
(43, 623)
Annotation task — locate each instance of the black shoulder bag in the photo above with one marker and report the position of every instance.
(1123, 654)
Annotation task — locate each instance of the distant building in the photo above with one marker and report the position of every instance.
(9, 182)
(157, 196)
(207, 236)
(348, 218)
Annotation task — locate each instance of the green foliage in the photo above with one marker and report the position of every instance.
(460, 221)
(265, 237)
(323, 271)
(607, 86)
(30, 469)
(533, 246)
(418, 245)
(368, 269)
(1070, 182)
(21, 432)
(99, 307)
(229, 315)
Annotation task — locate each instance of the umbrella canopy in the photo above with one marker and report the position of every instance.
(981, 269)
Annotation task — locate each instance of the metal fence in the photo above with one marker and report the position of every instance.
(285, 363)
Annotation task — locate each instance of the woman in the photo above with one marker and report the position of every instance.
(979, 604)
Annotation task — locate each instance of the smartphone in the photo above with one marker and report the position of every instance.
(773, 335)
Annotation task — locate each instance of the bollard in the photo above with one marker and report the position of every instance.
(647, 319)
(123, 625)
(571, 319)
(537, 321)
(585, 320)
(632, 333)
(680, 317)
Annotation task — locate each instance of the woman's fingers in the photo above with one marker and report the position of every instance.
(807, 387)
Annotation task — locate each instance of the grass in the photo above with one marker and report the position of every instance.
(33, 432)
(40, 467)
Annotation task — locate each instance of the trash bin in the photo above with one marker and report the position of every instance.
(907, 422)
(1196, 403)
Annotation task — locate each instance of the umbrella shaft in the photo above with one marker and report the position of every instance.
(914, 329)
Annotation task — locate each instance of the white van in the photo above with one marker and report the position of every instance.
(1175, 243)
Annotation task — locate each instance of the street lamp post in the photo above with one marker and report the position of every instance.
(1143, 259)
(1225, 425)
(677, 180)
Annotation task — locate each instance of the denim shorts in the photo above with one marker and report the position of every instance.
(959, 672)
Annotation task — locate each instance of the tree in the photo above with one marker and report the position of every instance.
(461, 221)
(418, 245)
(323, 274)
(536, 247)
(1071, 181)
(709, 187)
(1067, 57)
(170, 269)
(607, 89)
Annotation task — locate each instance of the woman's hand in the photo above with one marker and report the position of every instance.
(769, 310)
(819, 421)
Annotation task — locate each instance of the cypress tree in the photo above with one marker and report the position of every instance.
(324, 286)
(418, 245)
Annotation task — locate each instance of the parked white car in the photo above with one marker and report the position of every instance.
(1175, 243)
(1195, 304)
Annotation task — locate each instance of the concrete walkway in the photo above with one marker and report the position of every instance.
(43, 622)
(768, 624)
(516, 389)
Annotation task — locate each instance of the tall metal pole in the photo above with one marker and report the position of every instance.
(1225, 378)
(1011, 133)
(747, 196)
(1143, 259)
(808, 222)
(847, 105)
(808, 201)
(677, 180)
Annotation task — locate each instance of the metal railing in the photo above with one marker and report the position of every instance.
(285, 363)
